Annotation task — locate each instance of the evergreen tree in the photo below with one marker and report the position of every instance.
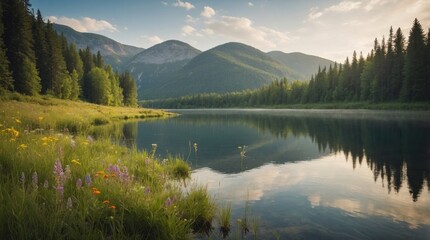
(414, 84)
(6, 81)
(57, 72)
(398, 64)
(41, 51)
(98, 60)
(128, 85)
(18, 39)
(88, 64)
(76, 90)
(99, 86)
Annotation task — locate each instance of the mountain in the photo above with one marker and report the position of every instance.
(158, 62)
(114, 53)
(305, 65)
(225, 68)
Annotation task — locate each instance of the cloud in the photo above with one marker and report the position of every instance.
(164, 3)
(314, 14)
(185, 5)
(85, 24)
(155, 39)
(250, 4)
(344, 6)
(374, 3)
(208, 12)
(188, 30)
(242, 29)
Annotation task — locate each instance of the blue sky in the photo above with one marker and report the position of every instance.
(327, 28)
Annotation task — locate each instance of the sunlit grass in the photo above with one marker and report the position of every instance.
(67, 184)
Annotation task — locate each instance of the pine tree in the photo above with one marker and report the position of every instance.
(57, 71)
(18, 39)
(128, 85)
(41, 51)
(6, 81)
(428, 65)
(398, 64)
(414, 84)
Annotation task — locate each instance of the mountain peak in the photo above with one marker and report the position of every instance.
(166, 52)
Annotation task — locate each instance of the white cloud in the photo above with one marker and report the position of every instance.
(250, 4)
(374, 3)
(164, 3)
(185, 5)
(208, 12)
(155, 39)
(314, 14)
(242, 29)
(85, 24)
(188, 30)
(344, 6)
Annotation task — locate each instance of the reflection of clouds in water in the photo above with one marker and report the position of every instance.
(326, 182)
(250, 185)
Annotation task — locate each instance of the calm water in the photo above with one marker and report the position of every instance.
(308, 174)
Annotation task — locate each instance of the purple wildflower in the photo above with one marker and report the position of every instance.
(88, 181)
(60, 191)
(79, 183)
(46, 184)
(114, 169)
(58, 169)
(147, 190)
(168, 202)
(123, 176)
(69, 203)
(35, 180)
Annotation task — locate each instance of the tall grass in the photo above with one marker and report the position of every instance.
(58, 183)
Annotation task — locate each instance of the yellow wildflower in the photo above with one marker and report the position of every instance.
(40, 118)
(76, 162)
(22, 146)
(17, 120)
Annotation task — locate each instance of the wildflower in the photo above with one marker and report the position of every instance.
(40, 118)
(154, 145)
(76, 162)
(88, 181)
(147, 191)
(106, 176)
(34, 180)
(79, 183)
(22, 146)
(17, 120)
(123, 176)
(112, 207)
(60, 191)
(195, 147)
(106, 202)
(69, 203)
(95, 191)
(114, 169)
(90, 139)
(46, 184)
(168, 202)
(58, 170)
(22, 178)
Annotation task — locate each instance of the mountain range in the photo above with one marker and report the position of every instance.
(113, 52)
(174, 68)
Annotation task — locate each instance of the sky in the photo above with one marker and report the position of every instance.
(331, 29)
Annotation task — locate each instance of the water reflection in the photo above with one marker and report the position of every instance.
(395, 146)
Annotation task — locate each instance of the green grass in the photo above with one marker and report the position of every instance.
(131, 194)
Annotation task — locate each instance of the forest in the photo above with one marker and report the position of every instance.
(393, 71)
(35, 60)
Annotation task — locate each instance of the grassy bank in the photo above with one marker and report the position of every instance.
(65, 184)
(51, 113)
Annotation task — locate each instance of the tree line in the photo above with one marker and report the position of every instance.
(34, 60)
(393, 71)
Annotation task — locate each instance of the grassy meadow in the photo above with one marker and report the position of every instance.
(58, 181)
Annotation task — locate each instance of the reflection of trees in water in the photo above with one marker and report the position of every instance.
(395, 150)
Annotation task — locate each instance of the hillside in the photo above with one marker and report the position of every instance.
(160, 61)
(225, 68)
(304, 64)
(113, 52)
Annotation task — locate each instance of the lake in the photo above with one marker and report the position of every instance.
(306, 174)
